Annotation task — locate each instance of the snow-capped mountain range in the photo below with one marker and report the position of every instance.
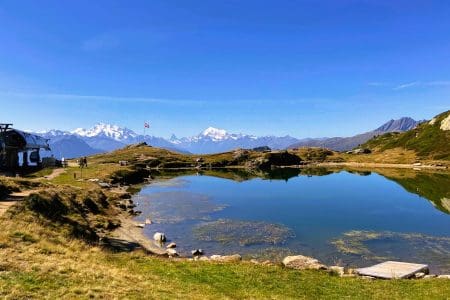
(108, 131)
(106, 137)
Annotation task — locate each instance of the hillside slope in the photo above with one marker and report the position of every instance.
(429, 140)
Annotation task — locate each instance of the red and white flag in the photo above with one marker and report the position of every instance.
(146, 125)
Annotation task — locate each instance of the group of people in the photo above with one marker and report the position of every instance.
(82, 162)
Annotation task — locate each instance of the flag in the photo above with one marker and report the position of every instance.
(146, 125)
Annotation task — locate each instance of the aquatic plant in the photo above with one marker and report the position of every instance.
(415, 246)
(176, 206)
(243, 233)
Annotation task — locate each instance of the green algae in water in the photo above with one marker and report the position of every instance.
(177, 206)
(244, 233)
(377, 246)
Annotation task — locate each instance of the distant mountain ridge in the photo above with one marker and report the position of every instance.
(402, 124)
(100, 138)
(429, 140)
(106, 137)
(213, 140)
(348, 143)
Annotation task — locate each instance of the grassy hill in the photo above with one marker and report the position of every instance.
(428, 140)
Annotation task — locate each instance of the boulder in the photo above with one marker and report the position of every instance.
(226, 258)
(140, 225)
(171, 245)
(419, 275)
(444, 276)
(197, 252)
(300, 262)
(148, 221)
(172, 252)
(429, 276)
(159, 237)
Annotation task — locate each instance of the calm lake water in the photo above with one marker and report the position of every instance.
(339, 217)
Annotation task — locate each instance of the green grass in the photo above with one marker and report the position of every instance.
(138, 277)
(42, 258)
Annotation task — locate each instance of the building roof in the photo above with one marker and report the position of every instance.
(14, 138)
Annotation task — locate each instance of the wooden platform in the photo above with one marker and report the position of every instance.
(393, 269)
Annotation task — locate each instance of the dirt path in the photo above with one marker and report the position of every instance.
(55, 173)
(12, 199)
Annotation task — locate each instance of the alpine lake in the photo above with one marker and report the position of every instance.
(341, 217)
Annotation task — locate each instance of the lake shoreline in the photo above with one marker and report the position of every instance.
(134, 230)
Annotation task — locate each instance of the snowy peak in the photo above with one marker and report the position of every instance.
(215, 133)
(106, 130)
(53, 133)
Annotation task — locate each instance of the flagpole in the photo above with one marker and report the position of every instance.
(143, 138)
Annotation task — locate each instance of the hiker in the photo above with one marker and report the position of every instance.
(85, 161)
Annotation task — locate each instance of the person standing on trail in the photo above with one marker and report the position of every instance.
(85, 161)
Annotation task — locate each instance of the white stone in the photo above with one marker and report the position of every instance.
(444, 276)
(445, 124)
(419, 275)
(159, 237)
(226, 258)
(300, 262)
(172, 252)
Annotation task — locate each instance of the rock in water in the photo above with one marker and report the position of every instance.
(300, 262)
(159, 237)
(197, 252)
(171, 245)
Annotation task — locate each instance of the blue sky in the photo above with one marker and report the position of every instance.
(304, 68)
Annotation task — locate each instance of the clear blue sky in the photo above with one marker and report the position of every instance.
(302, 68)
